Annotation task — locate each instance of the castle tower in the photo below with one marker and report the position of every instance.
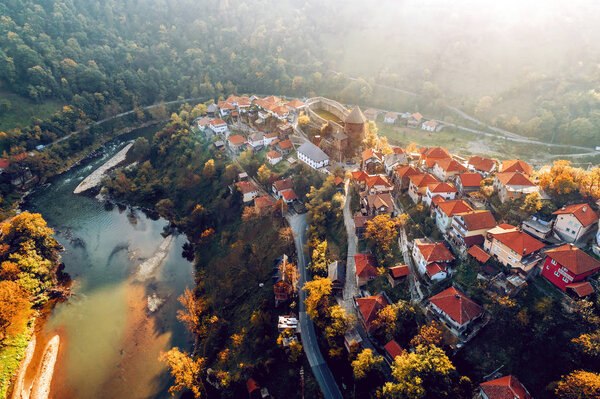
(355, 126)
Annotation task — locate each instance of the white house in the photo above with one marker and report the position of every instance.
(390, 118)
(431, 258)
(445, 190)
(574, 221)
(256, 140)
(219, 126)
(313, 156)
(248, 189)
(430, 126)
(269, 138)
(274, 157)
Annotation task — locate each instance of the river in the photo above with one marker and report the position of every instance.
(110, 343)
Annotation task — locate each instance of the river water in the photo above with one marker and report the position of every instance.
(110, 343)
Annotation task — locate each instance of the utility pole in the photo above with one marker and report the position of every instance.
(302, 379)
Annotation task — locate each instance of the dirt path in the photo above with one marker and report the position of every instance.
(41, 384)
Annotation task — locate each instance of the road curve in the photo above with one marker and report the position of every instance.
(317, 363)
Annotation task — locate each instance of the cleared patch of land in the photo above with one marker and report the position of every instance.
(22, 110)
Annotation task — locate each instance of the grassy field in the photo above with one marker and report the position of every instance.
(328, 116)
(10, 357)
(22, 110)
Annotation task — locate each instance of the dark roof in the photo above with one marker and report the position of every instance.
(313, 152)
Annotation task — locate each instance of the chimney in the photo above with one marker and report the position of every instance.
(524, 250)
(584, 208)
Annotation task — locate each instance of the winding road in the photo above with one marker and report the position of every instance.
(317, 363)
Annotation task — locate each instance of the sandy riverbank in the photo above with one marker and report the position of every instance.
(150, 266)
(40, 388)
(96, 177)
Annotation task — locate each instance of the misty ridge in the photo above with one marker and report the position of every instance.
(527, 67)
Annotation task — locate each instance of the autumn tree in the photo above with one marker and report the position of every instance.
(186, 371)
(382, 233)
(429, 334)
(425, 373)
(166, 208)
(337, 325)
(193, 312)
(317, 300)
(397, 321)
(140, 148)
(365, 363)
(532, 203)
(264, 175)
(579, 384)
(319, 259)
(209, 170)
(303, 120)
(289, 273)
(15, 309)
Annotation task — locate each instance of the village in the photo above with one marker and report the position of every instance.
(451, 214)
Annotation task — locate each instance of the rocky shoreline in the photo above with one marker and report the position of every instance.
(95, 178)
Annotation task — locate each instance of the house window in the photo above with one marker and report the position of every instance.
(553, 262)
(556, 274)
(565, 280)
(547, 267)
(568, 231)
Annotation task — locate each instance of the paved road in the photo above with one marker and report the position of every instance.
(351, 286)
(317, 363)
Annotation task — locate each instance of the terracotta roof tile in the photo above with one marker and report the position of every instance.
(574, 259)
(285, 144)
(516, 165)
(406, 171)
(289, 195)
(582, 212)
(369, 307)
(273, 155)
(442, 188)
(399, 271)
(451, 208)
(583, 288)
(470, 179)
(246, 187)
(434, 268)
(450, 165)
(514, 179)
(520, 242)
(283, 184)
(479, 254)
(482, 164)
(507, 387)
(371, 153)
(423, 180)
(456, 305)
(477, 220)
(264, 201)
(366, 265)
(237, 139)
(436, 252)
(393, 349)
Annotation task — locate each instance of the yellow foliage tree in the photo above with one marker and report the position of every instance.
(209, 169)
(382, 232)
(193, 312)
(185, 370)
(319, 259)
(318, 291)
(429, 334)
(532, 203)
(365, 362)
(303, 120)
(579, 385)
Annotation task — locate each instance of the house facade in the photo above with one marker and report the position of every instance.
(445, 168)
(568, 264)
(425, 253)
(513, 185)
(445, 190)
(445, 210)
(455, 310)
(417, 187)
(469, 228)
(513, 248)
(248, 189)
(574, 222)
(429, 126)
(313, 156)
(366, 268)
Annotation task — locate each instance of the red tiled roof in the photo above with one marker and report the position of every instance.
(264, 201)
(436, 252)
(289, 195)
(399, 271)
(295, 103)
(451, 208)
(217, 121)
(285, 144)
(434, 268)
(521, 243)
(436, 152)
(574, 259)
(370, 153)
(514, 179)
(470, 179)
(431, 123)
(271, 135)
(477, 220)
(482, 164)
(251, 385)
(507, 387)
(273, 155)
(365, 265)
(225, 105)
(369, 307)
(4, 163)
(272, 99)
(393, 349)
(283, 184)
(516, 165)
(360, 221)
(405, 171)
(203, 121)
(417, 116)
(450, 165)
(442, 188)
(360, 176)
(237, 139)
(338, 180)
(274, 142)
(398, 150)
(380, 200)
(583, 288)
(423, 180)
(377, 180)
(582, 212)
(246, 187)
(456, 305)
(435, 201)
(479, 254)
(281, 111)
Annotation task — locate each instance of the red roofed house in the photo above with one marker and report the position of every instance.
(282, 185)
(366, 268)
(568, 264)
(397, 274)
(507, 387)
(513, 248)
(468, 182)
(511, 185)
(253, 389)
(455, 309)
(378, 204)
(445, 168)
(482, 165)
(426, 253)
(444, 211)
(401, 175)
(378, 184)
(274, 157)
(390, 118)
(225, 108)
(414, 120)
(445, 190)
(295, 105)
(248, 189)
(237, 143)
(285, 147)
(289, 196)
(479, 254)
(417, 187)
(430, 125)
(516, 165)
(392, 350)
(218, 126)
(360, 224)
(371, 159)
(397, 157)
(574, 222)
(436, 271)
(469, 228)
(269, 138)
(264, 204)
(368, 307)
(360, 177)
(430, 155)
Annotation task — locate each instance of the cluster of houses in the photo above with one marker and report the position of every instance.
(414, 120)
(448, 186)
